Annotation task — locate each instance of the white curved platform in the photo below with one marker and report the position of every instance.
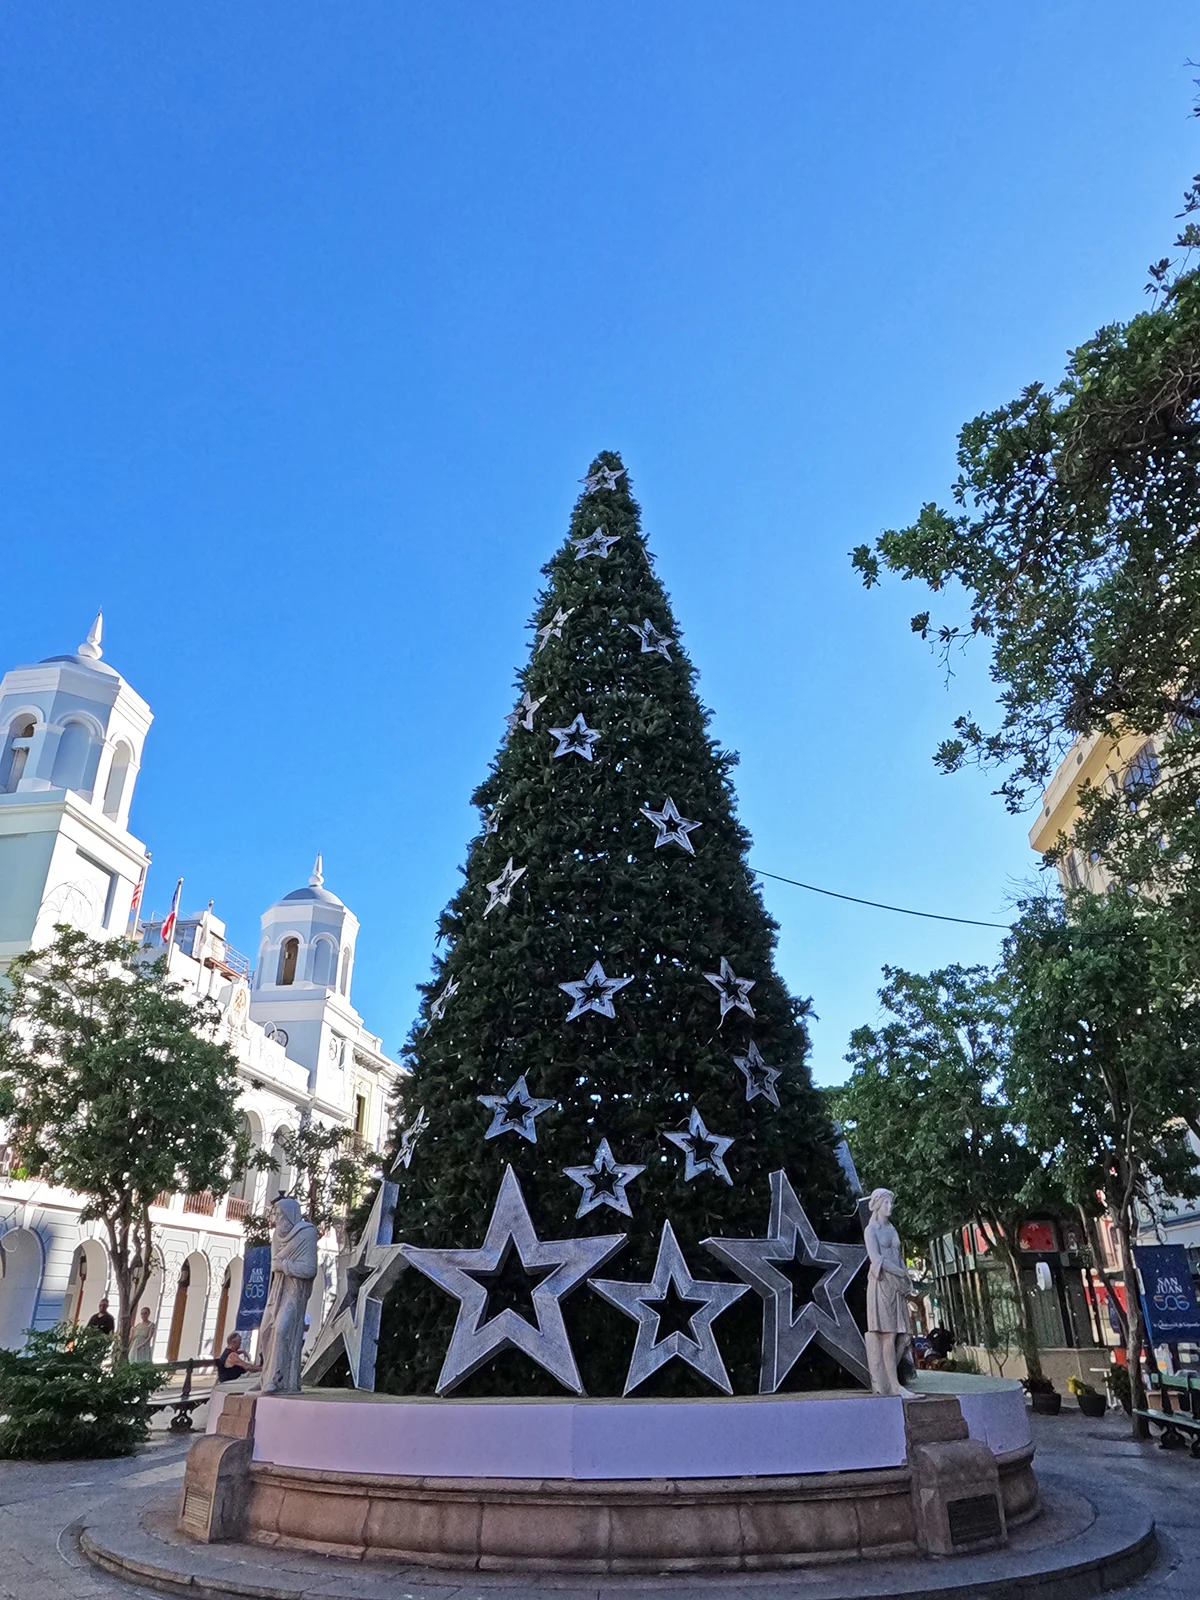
(341, 1431)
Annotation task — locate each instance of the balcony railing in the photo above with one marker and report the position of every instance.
(237, 1209)
(163, 1199)
(200, 1205)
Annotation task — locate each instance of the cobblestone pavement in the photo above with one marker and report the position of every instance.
(39, 1505)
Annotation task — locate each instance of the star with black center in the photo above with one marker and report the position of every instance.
(604, 1182)
(760, 1078)
(480, 1279)
(554, 628)
(438, 1007)
(734, 991)
(703, 1151)
(500, 889)
(652, 642)
(522, 715)
(514, 1112)
(672, 828)
(602, 478)
(352, 1328)
(593, 992)
(576, 739)
(597, 543)
(407, 1143)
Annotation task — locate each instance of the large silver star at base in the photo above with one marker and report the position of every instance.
(636, 1300)
(734, 991)
(576, 739)
(515, 1111)
(458, 1272)
(652, 642)
(352, 1327)
(760, 1078)
(522, 715)
(593, 992)
(672, 828)
(704, 1151)
(500, 889)
(826, 1318)
(597, 543)
(604, 1182)
(602, 478)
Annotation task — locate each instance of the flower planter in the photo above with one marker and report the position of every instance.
(1046, 1404)
(1092, 1405)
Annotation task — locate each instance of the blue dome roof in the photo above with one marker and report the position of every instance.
(311, 893)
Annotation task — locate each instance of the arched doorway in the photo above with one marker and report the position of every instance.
(88, 1283)
(187, 1313)
(231, 1293)
(21, 1265)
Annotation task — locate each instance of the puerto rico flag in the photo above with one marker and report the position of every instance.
(168, 927)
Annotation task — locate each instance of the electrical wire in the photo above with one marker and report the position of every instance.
(878, 905)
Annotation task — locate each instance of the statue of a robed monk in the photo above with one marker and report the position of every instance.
(293, 1269)
(889, 1285)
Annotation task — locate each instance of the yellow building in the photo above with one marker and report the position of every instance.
(1103, 762)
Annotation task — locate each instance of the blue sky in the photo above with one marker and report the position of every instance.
(312, 316)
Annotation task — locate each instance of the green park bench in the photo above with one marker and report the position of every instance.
(1179, 1426)
(185, 1402)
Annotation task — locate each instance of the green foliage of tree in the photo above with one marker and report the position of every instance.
(330, 1166)
(925, 1113)
(595, 888)
(116, 1087)
(1072, 537)
(62, 1399)
(1105, 1066)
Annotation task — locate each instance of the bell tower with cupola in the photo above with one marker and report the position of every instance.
(71, 737)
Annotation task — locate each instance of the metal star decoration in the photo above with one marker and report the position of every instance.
(593, 992)
(491, 822)
(352, 1327)
(522, 716)
(515, 1111)
(604, 1182)
(826, 1319)
(703, 1151)
(672, 828)
(597, 543)
(439, 1005)
(576, 739)
(637, 1300)
(602, 478)
(476, 1340)
(500, 889)
(652, 641)
(554, 628)
(408, 1134)
(734, 991)
(760, 1078)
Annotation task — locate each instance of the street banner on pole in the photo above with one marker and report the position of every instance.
(256, 1277)
(1172, 1316)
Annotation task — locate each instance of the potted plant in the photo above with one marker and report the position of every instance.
(1043, 1396)
(1120, 1387)
(1089, 1399)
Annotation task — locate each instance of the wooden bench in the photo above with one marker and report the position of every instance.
(185, 1402)
(1179, 1427)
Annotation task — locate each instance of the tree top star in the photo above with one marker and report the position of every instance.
(602, 478)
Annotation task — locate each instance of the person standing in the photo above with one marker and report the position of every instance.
(141, 1342)
(102, 1318)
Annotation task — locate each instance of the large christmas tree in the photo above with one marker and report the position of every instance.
(606, 1021)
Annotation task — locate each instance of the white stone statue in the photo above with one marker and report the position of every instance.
(889, 1285)
(293, 1268)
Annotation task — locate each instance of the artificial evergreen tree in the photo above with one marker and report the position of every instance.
(609, 837)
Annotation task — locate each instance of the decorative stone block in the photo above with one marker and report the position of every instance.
(216, 1481)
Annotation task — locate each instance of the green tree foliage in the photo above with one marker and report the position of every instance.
(329, 1168)
(925, 1112)
(595, 888)
(1072, 534)
(60, 1398)
(1105, 1067)
(117, 1088)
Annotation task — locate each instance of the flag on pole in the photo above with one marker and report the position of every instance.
(168, 927)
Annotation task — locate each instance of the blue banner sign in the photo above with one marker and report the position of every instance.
(1172, 1315)
(256, 1278)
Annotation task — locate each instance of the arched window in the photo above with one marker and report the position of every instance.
(324, 963)
(1141, 776)
(75, 759)
(282, 1179)
(347, 958)
(289, 954)
(118, 775)
(16, 753)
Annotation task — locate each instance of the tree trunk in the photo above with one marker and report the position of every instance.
(1135, 1325)
(131, 1275)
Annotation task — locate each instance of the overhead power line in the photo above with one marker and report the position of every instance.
(878, 905)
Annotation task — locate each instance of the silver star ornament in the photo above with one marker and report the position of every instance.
(514, 1112)
(352, 1327)
(703, 1151)
(438, 1007)
(652, 642)
(597, 543)
(500, 889)
(788, 1331)
(734, 991)
(638, 1300)
(406, 1144)
(491, 823)
(554, 628)
(522, 716)
(593, 992)
(604, 1182)
(602, 478)
(672, 828)
(760, 1078)
(562, 1265)
(576, 739)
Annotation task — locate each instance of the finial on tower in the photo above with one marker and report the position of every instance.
(91, 645)
(318, 877)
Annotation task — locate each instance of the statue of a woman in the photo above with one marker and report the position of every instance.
(293, 1268)
(889, 1285)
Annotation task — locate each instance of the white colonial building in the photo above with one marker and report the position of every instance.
(72, 732)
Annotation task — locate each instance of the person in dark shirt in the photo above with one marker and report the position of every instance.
(102, 1319)
(231, 1363)
(940, 1342)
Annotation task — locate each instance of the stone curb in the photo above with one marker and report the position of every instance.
(1068, 1562)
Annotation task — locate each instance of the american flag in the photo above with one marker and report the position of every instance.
(168, 927)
